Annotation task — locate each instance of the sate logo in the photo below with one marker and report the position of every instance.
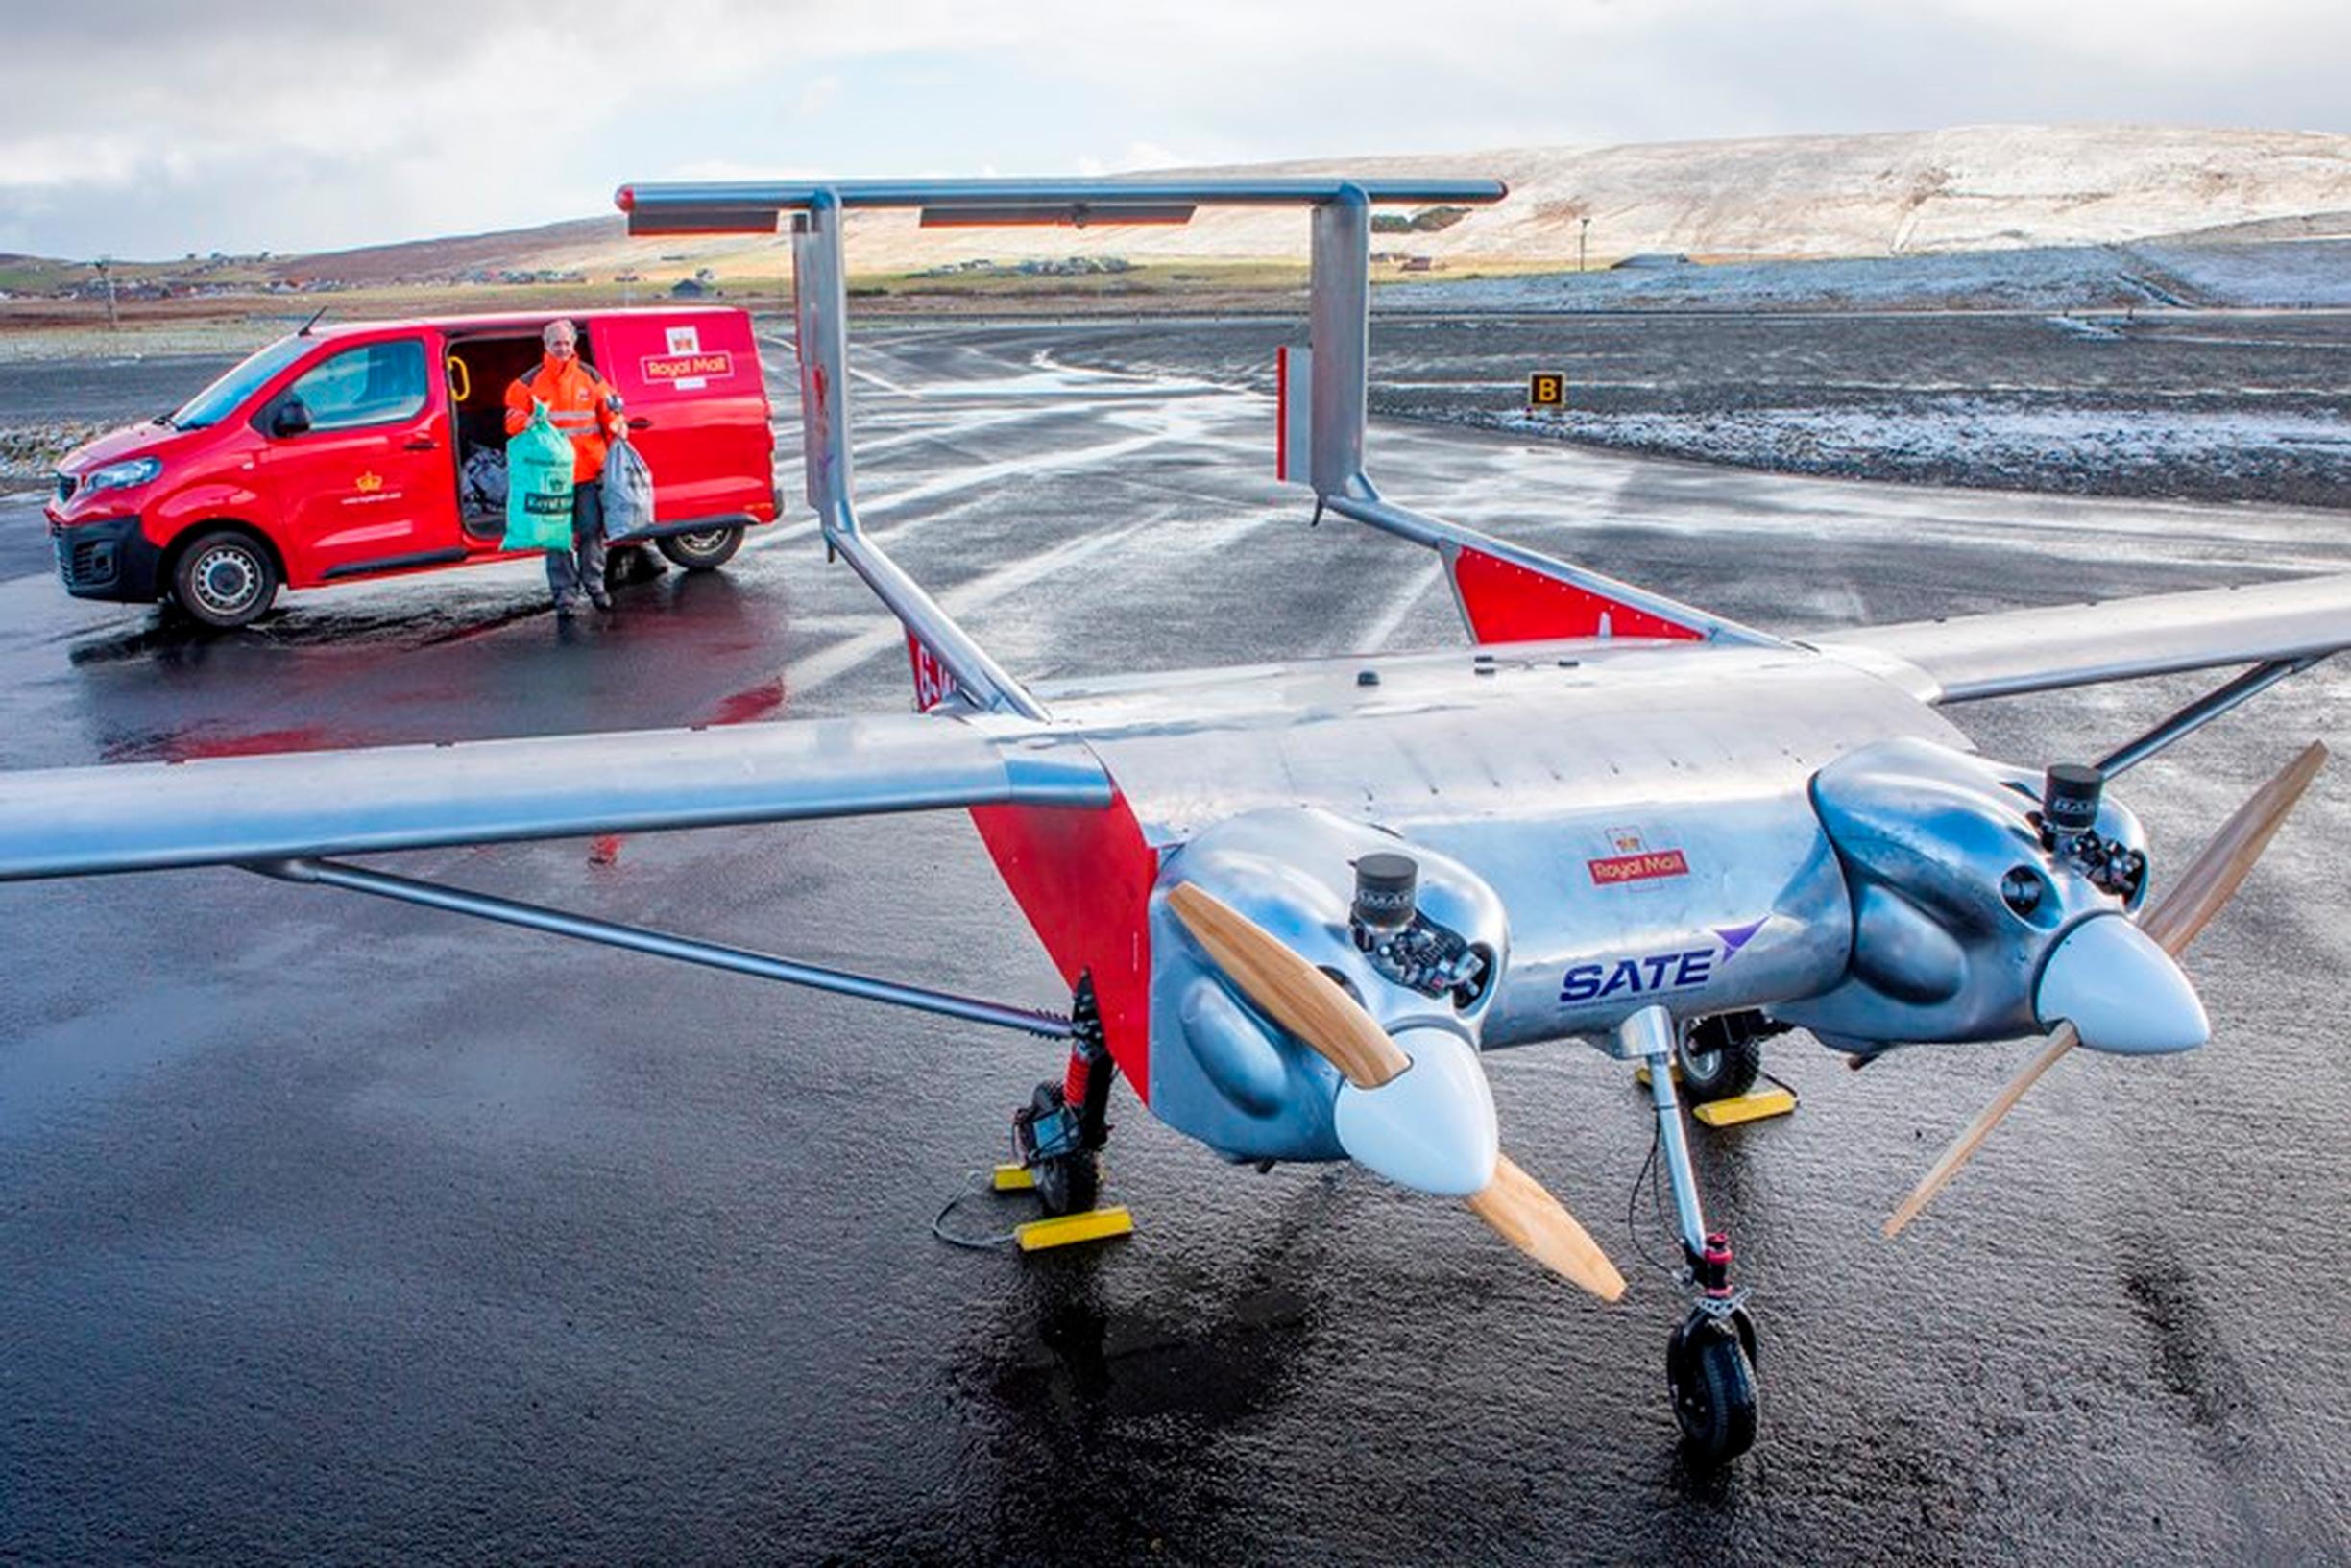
(369, 483)
(1634, 861)
(1682, 969)
(685, 340)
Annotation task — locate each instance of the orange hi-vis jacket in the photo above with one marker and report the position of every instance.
(579, 403)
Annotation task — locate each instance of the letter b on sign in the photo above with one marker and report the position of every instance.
(1547, 391)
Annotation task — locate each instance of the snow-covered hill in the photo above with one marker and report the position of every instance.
(1899, 193)
(1978, 187)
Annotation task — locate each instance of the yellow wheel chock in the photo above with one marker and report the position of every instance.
(1754, 1106)
(1062, 1230)
(1069, 1229)
(1761, 1104)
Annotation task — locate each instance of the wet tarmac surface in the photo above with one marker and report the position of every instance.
(339, 1232)
(2267, 386)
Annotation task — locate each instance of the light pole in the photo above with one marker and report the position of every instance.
(106, 270)
(1582, 234)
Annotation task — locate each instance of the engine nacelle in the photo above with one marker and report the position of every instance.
(1965, 882)
(1423, 959)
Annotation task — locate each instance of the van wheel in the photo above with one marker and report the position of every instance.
(225, 579)
(704, 551)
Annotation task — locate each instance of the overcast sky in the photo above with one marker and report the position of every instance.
(158, 127)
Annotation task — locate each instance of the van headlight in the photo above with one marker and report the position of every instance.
(136, 471)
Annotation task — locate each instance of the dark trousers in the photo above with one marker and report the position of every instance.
(580, 570)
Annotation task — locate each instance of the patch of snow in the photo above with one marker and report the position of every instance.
(1958, 434)
(2288, 272)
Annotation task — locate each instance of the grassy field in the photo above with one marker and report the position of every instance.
(44, 327)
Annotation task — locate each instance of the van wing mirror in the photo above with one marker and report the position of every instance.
(292, 418)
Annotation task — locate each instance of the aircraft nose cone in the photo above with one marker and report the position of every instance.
(2120, 990)
(1429, 1127)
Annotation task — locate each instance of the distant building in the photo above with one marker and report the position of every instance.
(688, 288)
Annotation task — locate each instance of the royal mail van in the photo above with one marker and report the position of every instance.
(369, 450)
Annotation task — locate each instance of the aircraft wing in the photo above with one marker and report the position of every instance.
(151, 816)
(1999, 655)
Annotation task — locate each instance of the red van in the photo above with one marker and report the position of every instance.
(378, 448)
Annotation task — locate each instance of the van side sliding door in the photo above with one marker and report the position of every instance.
(697, 410)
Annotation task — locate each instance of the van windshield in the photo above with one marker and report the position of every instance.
(217, 401)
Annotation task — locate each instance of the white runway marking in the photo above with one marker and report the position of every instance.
(817, 669)
(1376, 636)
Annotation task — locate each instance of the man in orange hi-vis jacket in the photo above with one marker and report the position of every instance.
(583, 406)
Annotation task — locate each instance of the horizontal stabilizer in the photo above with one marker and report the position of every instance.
(2015, 651)
(230, 811)
(1053, 214)
(753, 205)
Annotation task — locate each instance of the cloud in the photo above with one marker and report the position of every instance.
(152, 127)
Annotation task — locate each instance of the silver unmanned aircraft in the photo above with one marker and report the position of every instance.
(1295, 904)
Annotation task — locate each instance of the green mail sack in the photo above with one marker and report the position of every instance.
(539, 486)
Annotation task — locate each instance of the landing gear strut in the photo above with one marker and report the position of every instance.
(1059, 1134)
(1710, 1359)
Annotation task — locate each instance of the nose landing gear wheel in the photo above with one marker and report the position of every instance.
(1708, 1373)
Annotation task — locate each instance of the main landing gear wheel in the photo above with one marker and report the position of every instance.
(706, 550)
(1065, 1183)
(1719, 1061)
(1711, 1374)
(225, 580)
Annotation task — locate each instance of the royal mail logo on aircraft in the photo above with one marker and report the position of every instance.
(1634, 861)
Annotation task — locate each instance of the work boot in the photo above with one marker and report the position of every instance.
(599, 598)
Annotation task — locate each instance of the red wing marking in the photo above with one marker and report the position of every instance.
(1281, 412)
(1084, 880)
(1509, 603)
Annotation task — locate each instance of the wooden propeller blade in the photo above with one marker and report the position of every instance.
(1523, 1213)
(1294, 994)
(2212, 879)
(2061, 1040)
(1313, 1006)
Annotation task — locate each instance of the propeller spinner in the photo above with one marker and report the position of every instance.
(1423, 1116)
